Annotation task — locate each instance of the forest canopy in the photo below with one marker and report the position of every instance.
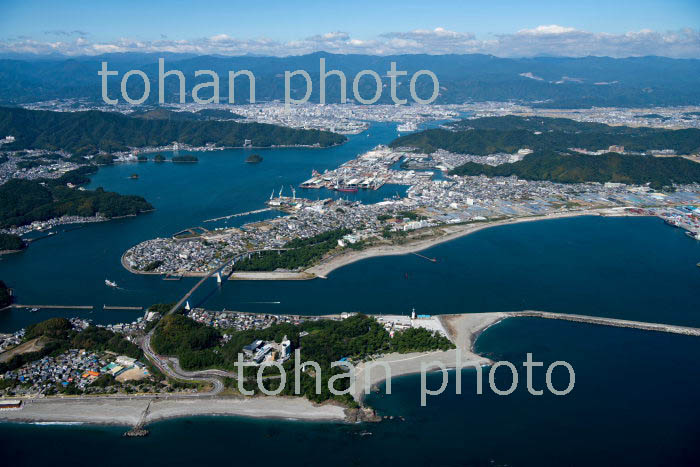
(577, 168)
(92, 131)
(508, 134)
(323, 341)
(25, 201)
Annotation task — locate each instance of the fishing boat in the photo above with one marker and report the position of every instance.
(110, 283)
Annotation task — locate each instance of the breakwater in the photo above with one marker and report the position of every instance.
(620, 323)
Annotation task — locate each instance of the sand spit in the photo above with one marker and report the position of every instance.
(462, 331)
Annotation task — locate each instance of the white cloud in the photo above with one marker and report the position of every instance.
(544, 39)
(551, 29)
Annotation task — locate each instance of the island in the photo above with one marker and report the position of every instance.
(254, 159)
(185, 158)
(23, 202)
(159, 158)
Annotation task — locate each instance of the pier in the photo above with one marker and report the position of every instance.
(432, 260)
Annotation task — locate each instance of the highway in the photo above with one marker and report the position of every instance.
(208, 376)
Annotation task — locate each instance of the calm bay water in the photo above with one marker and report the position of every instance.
(634, 403)
(634, 268)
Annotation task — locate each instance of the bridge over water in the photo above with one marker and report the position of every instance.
(217, 272)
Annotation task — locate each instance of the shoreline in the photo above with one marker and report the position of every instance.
(450, 232)
(462, 329)
(145, 409)
(129, 412)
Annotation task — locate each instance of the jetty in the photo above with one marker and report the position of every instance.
(126, 308)
(138, 431)
(432, 260)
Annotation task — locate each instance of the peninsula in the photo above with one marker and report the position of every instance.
(216, 393)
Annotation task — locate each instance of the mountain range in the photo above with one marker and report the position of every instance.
(542, 81)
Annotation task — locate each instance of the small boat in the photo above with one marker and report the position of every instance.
(110, 283)
(33, 310)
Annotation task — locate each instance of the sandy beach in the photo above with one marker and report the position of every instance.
(129, 411)
(443, 234)
(461, 329)
(449, 233)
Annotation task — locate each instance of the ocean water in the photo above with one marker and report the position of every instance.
(629, 268)
(634, 402)
(635, 396)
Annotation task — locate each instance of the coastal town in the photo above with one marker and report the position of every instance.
(432, 199)
(353, 118)
(81, 371)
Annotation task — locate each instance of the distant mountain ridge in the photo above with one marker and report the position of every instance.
(85, 133)
(544, 81)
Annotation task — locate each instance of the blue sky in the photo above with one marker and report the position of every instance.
(77, 25)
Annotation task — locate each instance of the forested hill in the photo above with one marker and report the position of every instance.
(93, 131)
(534, 123)
(508, 134)
(25, 201)
(575, 168)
